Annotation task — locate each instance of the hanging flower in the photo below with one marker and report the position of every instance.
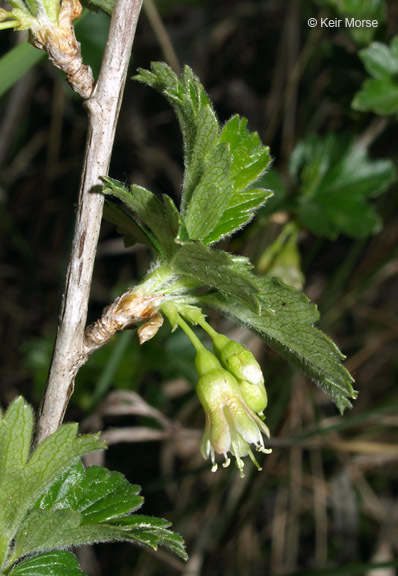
(241, 363)
(231, 425)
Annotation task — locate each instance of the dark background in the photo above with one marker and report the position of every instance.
(326, 495)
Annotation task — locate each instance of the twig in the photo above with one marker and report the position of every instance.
(103, 109)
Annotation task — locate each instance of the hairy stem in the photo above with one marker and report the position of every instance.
(103, 110)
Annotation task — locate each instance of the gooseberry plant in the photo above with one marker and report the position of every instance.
(48, 500)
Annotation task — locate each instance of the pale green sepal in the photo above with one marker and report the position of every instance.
(254, 396)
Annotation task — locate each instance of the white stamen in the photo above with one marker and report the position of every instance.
(260, 448)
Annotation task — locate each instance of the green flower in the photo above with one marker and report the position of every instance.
(241, 363)
(231, 422)
(235, 357)
(254, 396)
(231, 425)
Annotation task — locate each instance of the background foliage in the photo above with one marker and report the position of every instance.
(325, 497)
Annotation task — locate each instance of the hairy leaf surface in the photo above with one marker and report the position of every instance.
(48, 500)
(57, 562)
(286, 324)
(220, 164)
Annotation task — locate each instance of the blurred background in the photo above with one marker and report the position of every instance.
(326, 500)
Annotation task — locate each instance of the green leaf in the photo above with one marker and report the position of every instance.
(50, 501)
(131, 230)
(239, 214)
(57, 562)
(98, 494)
(336, 179)
(379, 94)
(24, 479)
(48, 529)
(160, 227)
(15, 442)
(44, 530)
(380, 60)
(219, 270)
(249, 161)
(249, 157)
(286, 324)
(54, 455)
(210, 198)
(220, 165)
(105, 502)
(196, 117)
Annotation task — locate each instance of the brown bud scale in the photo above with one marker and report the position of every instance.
(59, 41)
(126, 311)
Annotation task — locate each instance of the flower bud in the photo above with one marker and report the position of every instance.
(237, 359)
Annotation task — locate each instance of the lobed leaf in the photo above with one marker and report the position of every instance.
(249, 157)
(379, 96)
(220, 165)
(380, 93)
(16, 429)
(380, 60)
(50, 501)
(22, 480)
(160, 225)
(98, 494)
(195, 114)
(102, 503)
(131, 230)
(249, 160)
(286, 324)
(336, 180)
(56, 562)
(239, 214)
(54, 455)
(48, 529)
